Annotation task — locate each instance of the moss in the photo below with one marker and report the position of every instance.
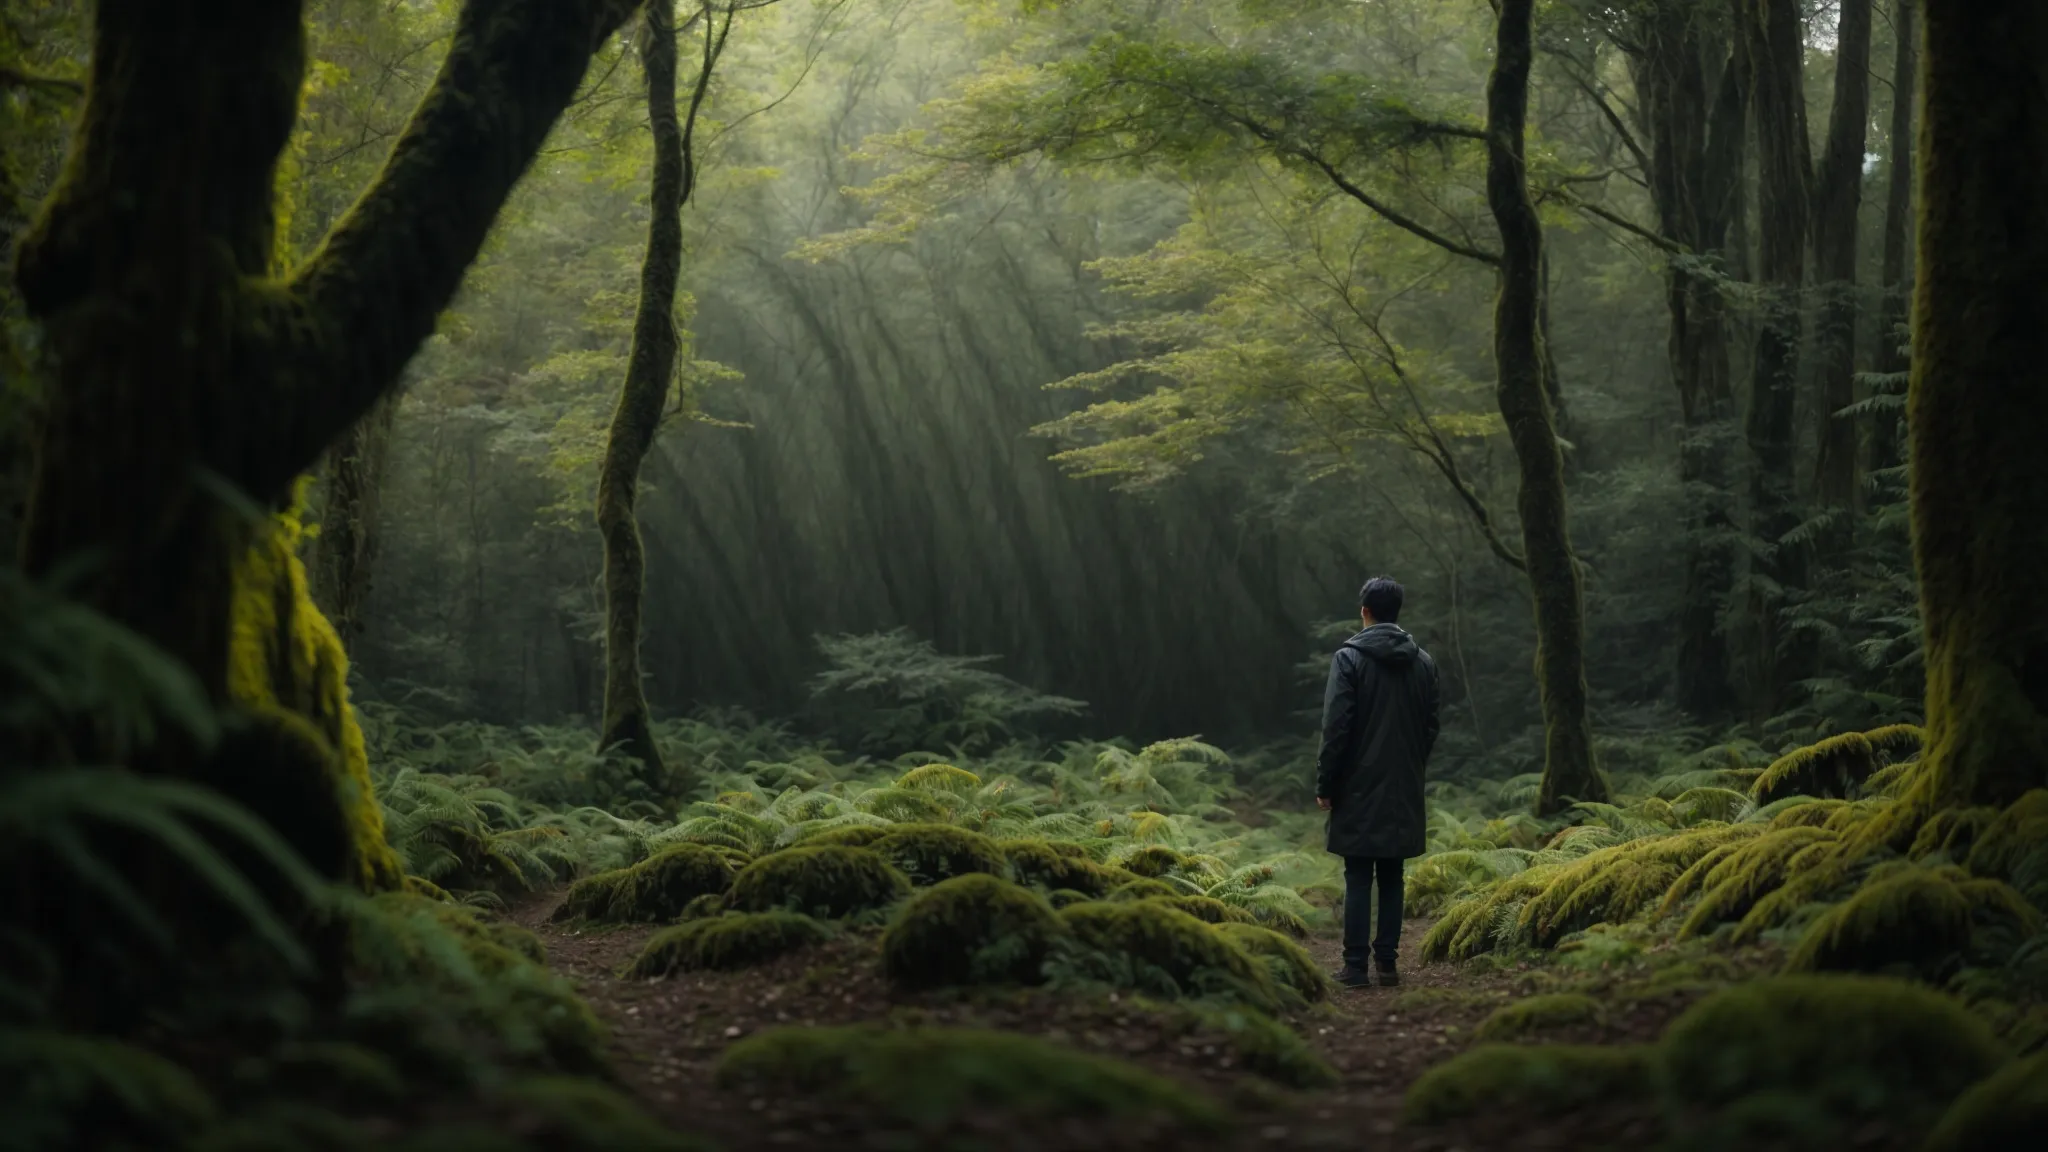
(1261, 1045)
(972, 929)
(1057, 865)
(579, 1114)
(827, 880)
(1916, 917)
(2008, 1109)
(1548, 1078)
(1850, 1043)
(1143, 889)
(929, 853)
(1749, 873)
(850, 835)
(1478, 925)
(939, 778)
(933, 1077)
(1615, 884)
(1164, 942)
(656, 889)
(1804, 812)
(1207, 909)
(1897, 743)
(1067, 897)
(1152, 861)
(1835, 766)
(723, 942)
(1288, 963)
(2020, 832)
(75, 1091)
(1537, 1014)
(709, 904)
(1951, 832)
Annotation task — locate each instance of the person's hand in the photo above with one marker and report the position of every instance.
(1323, 802)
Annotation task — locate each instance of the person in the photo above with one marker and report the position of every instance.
(1379, 724)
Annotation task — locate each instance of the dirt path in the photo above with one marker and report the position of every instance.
(668, 1034)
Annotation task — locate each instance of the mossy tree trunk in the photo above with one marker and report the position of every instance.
(344, 554)
(190, 381)
(1976, 416)
(1890, 358)
(1569, 772)
(1697, 131)
(1837, 198)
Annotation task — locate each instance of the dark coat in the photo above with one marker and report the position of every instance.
(1379, 724)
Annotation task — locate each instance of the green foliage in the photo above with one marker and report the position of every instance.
(1537, 1014)
(891, 693)
(929, 853)
(971, 929)
(1921, 919)
(2008, 1109)
(1263, 1045)
(656, 890)
(1058, 867)
(1543, 1079)
(1207, 909)
(930, 1078)
(1288, 963)
(1150, 947)
(829, 881)
(65, 1085)
(735, 940)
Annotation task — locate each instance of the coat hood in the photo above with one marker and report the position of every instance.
(1386, 643)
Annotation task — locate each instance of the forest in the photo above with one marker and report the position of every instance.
(735, 574)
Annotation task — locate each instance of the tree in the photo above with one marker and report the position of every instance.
(1975, 416)
(1837, 196)
(1890, 360)
(193, 382)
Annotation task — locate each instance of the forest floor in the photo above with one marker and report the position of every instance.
(668, 1034)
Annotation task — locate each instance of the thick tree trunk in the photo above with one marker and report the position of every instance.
(1976, 418)
(185, 373)
(1837, 197)
(1569, 772)
(1779, 573)
(650, 371)
(1890, 358)
(342, 556)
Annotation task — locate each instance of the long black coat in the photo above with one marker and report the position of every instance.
(1379, 724)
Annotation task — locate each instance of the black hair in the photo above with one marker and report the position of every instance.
(1381, 596)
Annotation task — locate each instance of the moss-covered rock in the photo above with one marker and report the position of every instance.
(1538, 1014)
(737, 940)
(929, 853)
(655, 890)
(827, 880)
(972, 929)
(1544, 1079)
(1856, 1044)
(1288, 963)
(1913, 917)
(1159, 948)
(2009, 1109)
(932, 1077)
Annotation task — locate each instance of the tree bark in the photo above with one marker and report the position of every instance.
(1837, 198)
(1890, 359)
(191, 386)
(1779, 572)
(1975, 416)
(344, 553)
(650, 371)
(1569, 771)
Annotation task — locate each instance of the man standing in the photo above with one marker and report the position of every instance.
(1379, 723)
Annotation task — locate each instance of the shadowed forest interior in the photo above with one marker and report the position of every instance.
(737, 573)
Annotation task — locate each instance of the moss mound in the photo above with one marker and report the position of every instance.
(1054, 865)
(828, 880)
(932, 1077)
(1611, 885)
(1917, 918)
(1467, 928)
(850, 835)
(1207, 909)
(1261, 1044)
(1834, 767)
(2007, 1110)
(1152, 861)
(1288, 963)
(723, 942)
(1158, 948)
(929, 853)
(1142, 889)
(939, 778)
(1547, 1078)
(1850, 1043)
(656, 889)
(2019, 834)
(1752, 871)
(1537, 1014)
(972, 929)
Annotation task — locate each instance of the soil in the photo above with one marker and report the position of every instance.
(667, 1036)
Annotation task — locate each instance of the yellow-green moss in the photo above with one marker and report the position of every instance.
(1537, 1014)
(929, 853)
(1055, 865)
(1850, 1043)
(931, 1077)
(1143, 889)
(850, 835)
(1546, 1079)
(1260, 1044)
(1288, 963)
(939, 778)
(1749, 873)
(1168, 943)
(1951, 832)
(656, 889)
(972, 929)
(2020, 831)
(1897, 743)
(825, 880)
(2008, 1109)
(1835, 766)
(1152, 861)
(1915, 917)
(1477, 925)
(1207, 909)
(736, 940)
(1615, 884)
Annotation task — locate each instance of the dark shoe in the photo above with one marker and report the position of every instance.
(1351, 977)
(1388, 977)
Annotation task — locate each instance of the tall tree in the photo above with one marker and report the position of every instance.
(187, 373)
(1890, 359)
(1569, 771)
(1837, 198)
(1975, 414)
(343, 555)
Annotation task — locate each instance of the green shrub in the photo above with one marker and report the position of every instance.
(1142, 889)
(850, 835)
(826, 880)
(931, 1077)
(723, 942)
(1545, 1078)
(1858, 1044)
(709, 904)
(1057, 865)
(1153, 947)
(939, 778)
(1207, 909)
(2009, 1109)
(655, 890)
(972, 929)
(1288, 963)
(929, 853)
(1536, 1014)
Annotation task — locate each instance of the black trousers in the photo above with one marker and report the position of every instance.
(1359, 883)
